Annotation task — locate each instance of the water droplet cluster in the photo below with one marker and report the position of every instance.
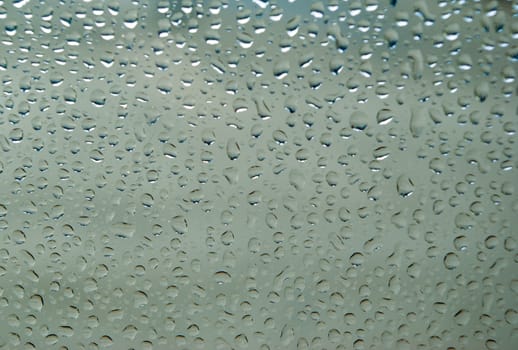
(258, 174)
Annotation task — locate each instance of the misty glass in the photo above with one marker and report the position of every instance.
(258, 174)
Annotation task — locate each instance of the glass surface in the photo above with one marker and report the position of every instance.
(258, 174)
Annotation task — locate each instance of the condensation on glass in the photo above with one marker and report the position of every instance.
(258, 174)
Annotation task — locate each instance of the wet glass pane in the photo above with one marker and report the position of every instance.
(258, 174)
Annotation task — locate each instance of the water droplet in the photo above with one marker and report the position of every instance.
(98, 98)
(418, 122)
(359, 120)
(462, 317)
(281, 68)
(405, 186)
(222, 277)
(36, 302)
(451, 261)
(123, 229)
(179, 224)
(464, 221)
